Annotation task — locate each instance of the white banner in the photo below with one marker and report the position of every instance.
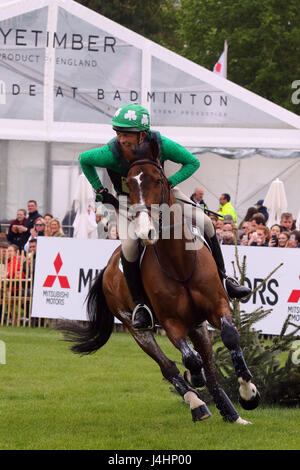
(65, 268)
(280, 293)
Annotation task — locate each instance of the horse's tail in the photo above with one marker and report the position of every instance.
(101, 321)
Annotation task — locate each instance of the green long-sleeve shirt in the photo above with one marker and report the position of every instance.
(105, 158)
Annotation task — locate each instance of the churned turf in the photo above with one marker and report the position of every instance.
(116, 399)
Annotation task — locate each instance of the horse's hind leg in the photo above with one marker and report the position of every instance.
(249, 395)
(202, 343)
(146, 341)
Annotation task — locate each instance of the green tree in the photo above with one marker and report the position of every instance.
(154, 20)
(263, 42)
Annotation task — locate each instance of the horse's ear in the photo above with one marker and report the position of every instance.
(154, 150)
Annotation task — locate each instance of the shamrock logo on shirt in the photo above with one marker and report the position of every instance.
(130, 115)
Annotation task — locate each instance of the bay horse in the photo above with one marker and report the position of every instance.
(185, 292)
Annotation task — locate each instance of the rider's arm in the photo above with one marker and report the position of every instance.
(176, 153)
(99, 157)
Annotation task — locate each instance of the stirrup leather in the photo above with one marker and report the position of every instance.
(151, 326)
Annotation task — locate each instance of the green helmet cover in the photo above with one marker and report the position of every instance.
(131, 116)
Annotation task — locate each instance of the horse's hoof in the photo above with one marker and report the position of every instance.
(200, 413)
(250, 404)
(242, 421)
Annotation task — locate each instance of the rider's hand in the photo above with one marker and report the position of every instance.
(100, 194)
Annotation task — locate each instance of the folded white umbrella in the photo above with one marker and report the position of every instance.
(85, 225)
(275, 201)
(298, 221)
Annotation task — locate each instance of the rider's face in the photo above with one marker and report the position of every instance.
(130, 140)
(127, 140)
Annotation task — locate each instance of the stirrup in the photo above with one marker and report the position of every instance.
(150, 325)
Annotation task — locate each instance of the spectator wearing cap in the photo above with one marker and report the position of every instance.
(262, 209)
(226, 208)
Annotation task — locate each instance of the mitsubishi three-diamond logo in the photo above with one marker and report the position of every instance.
(294, 296)
(63, 280)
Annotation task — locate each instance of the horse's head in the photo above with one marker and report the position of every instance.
(148, 186)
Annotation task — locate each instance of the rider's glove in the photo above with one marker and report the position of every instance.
(99, 194)
(102, 195)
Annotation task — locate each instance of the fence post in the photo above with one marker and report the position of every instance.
(2, 352)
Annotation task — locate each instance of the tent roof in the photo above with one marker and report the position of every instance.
(65, 82)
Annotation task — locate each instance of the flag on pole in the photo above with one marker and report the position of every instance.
(221, 66)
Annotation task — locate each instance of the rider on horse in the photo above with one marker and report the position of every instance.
(132, 125)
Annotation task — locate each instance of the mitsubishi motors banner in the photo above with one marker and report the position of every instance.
(281, 292)
(64, 271)
(65, 268)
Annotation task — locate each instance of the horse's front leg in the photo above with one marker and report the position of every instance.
(249, 395)
(170, 372)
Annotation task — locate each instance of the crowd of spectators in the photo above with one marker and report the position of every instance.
(253, 230)
(29, 224)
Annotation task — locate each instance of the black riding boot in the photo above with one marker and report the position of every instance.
(142, 318)
(233, 288)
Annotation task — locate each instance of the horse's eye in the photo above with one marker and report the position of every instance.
(158, 181)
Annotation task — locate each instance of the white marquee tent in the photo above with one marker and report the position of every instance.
(64, 70)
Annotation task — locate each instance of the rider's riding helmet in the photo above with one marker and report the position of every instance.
(131, 118)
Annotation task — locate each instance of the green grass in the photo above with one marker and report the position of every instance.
(115, 400)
